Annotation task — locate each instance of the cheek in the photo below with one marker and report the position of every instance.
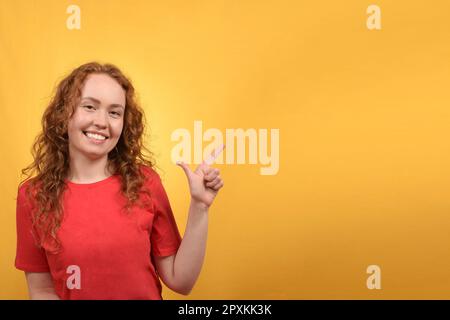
(76, 121)
(117, 130)
(75, 125)
(71, 128)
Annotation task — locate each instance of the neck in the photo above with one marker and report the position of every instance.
(86, 170)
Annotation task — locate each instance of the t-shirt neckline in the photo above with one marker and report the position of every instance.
(91, 184)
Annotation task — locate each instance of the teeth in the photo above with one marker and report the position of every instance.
(95, 136)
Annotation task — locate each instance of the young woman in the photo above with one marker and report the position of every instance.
(95, 222)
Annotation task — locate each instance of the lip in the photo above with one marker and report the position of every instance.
(95, 141)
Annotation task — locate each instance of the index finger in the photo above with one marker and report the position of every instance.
(213, 156)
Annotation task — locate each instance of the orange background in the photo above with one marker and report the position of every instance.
(363, 117)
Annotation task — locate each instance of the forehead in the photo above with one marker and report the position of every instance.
(103, 88)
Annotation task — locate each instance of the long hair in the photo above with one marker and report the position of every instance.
(51, 153)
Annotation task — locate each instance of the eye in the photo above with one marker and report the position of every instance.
(88, 106)
(116, 113)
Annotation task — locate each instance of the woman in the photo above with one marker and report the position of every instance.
(95, 222)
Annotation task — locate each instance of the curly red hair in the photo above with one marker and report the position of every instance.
(51, 152)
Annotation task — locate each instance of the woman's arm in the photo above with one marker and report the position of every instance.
(40, 286)
(180, 272)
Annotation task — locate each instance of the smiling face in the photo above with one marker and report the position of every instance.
(97, 122)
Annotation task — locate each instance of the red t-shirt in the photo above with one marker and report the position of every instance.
(112, 249)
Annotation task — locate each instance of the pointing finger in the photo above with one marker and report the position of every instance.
(213, 156)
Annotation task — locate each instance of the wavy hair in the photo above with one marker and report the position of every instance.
(50, 151)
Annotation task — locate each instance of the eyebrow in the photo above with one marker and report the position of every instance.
(98, 102)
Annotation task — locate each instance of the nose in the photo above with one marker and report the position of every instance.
(101, 119)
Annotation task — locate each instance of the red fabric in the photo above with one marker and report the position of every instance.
(114, 250)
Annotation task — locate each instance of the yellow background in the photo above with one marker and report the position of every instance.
(364, 132)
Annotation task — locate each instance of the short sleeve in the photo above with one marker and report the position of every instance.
(29, 257)
(165, 237)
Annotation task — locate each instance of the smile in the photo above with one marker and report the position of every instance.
(97, 138)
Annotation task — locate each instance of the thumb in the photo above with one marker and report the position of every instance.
(185, 168)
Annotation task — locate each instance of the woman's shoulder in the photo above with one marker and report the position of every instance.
(24, 185)
(24, 192)
(149, 172)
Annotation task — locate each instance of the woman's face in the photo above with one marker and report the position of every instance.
(96, 125)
